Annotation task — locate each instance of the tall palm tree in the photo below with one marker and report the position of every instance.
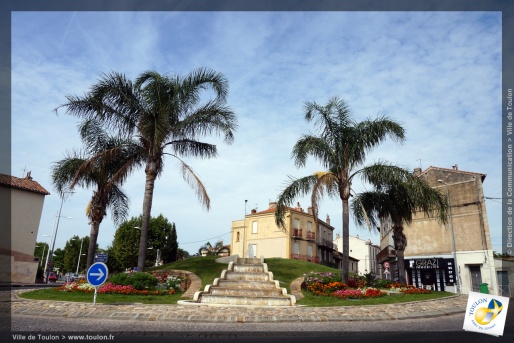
(165, 113)
(341, 147)
(76, 169)
(399, 201)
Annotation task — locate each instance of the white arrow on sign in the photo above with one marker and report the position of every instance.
(100, 274)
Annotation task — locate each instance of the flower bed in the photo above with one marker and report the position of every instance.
(83, 286)
(329, 285)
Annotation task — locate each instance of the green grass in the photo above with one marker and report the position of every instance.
(284, 270)
(52, 294)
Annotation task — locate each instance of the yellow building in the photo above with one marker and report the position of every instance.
(258, 235)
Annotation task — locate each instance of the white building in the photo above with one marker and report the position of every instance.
(362, 250)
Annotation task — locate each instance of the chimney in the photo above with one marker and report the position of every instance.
(28, 177)
(417, 171)
(254, 211)
(309, 210)
(272, 204)
(455, 167)
(328, 220)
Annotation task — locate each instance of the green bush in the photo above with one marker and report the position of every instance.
(139, 281)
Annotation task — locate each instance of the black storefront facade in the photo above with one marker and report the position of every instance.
(435, 273)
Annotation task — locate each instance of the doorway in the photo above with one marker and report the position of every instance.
(476, 278)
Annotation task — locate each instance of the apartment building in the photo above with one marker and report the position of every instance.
(258, 235)
(429, 255)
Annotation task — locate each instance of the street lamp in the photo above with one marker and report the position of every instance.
(54, 235)
(457, 282)
(80, 252)
(244, 231)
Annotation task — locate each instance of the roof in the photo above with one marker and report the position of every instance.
(26, 184)
(482, 176)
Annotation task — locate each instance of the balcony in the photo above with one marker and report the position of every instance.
(314, 259)
(311, 236)
(297, 233)
(385, 254)
(328, 244)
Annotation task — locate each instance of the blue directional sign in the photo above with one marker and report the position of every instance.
(101, 257)
(97, 274)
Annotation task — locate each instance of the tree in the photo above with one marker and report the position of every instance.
(182, 254)
(173, 254)
(72, 251)
(125, 244)
(165, 113)
(106, 177)
(398, 200)
(341, 147)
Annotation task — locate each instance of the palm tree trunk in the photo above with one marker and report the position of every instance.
(346, 238)
(151, 175)
(400, 243)
(93, 236)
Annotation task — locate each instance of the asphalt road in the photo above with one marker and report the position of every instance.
(440, 329)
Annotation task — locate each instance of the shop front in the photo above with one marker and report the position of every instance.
(430, 273)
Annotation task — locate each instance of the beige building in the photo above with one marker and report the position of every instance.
(258, 235)
(429, 259)
(26, 205)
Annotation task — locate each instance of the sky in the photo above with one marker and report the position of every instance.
(436, 73)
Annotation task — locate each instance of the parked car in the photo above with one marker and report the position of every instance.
(70, 277)
(52, 277)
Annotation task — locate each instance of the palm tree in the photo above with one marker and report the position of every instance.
(399, 201)
(341, 147)
(165, 113)
(76, 169)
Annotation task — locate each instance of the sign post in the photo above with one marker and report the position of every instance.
(96, 276)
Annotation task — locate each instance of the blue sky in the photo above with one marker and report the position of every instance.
(437, 73)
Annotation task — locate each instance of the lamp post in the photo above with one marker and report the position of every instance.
(54, 235)
(244, 230)
(457, 282)
(80, 252)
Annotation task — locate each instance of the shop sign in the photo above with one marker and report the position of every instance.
(449, 271)
(424, 263)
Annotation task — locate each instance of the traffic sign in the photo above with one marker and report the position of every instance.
(101, 257)
(386, 264)
(97, 274)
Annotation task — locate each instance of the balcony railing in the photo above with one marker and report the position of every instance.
(311, 236)
(327, 243)
(386, 253)
(314, 259)
(297, 233)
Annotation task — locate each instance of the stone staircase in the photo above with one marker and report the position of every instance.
(246, 281)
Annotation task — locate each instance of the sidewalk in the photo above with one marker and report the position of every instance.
(239, 314)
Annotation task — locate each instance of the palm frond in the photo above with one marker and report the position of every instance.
(295, 188)
(187, 147)
(314, 146)
(194, 182)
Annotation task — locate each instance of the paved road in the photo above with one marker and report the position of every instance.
(165, 323)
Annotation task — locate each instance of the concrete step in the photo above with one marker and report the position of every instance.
(246, 276)
(254, 260)
(253, 268)
(248, 292)
(242, 300)
(237, 284)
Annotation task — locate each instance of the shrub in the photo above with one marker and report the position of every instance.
(139, 281)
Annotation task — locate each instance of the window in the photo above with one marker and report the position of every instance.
(254, 227)
(309, 226)
(237, 236)
(296, 223)
(309, 251)
(296, 248)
